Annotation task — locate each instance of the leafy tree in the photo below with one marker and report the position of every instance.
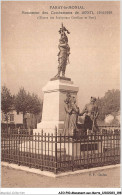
(21, 102)
(36, 105)
(109, 104)
(25, 102)
(6, 102)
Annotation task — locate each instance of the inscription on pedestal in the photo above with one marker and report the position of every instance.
(89, 147)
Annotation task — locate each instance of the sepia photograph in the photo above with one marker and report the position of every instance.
(60, 96)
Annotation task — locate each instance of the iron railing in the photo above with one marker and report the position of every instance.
(59, 153)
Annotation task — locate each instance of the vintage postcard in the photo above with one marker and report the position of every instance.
(60, 97)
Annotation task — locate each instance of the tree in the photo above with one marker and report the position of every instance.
(109, 104)
(6, 101)
(36, 104)
(21, 102)
(25, 102)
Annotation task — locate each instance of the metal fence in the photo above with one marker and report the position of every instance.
(59, 153)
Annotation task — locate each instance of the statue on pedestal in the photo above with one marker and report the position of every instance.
(71, 117)
(91, 114)
(64, 51)
(68, 110)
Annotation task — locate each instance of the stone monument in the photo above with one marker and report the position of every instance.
(53, 114)
(58, 92)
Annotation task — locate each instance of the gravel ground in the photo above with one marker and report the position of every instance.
(12, 178)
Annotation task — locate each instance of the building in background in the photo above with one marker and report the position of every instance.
(12, 119)
(15, 120)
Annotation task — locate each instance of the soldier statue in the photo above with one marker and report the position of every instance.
(91, 114)
(71, 117)
(64, 51)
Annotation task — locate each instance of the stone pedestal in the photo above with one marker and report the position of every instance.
(53, 114)
(75, 149)
(78, 149)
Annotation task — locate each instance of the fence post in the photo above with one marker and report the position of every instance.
(42, 150)
(88, 151)
(45, 162)
(101, 149)
(35, 151)
(3, 138)
(19, 148)
(56, 150)
(29, 151)
(9, 148)
(72, 141)
(38, 151)
(114, 146)
(48, 147)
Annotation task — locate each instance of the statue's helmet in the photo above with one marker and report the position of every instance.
(68, 96)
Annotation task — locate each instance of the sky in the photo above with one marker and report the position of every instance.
(29, 47)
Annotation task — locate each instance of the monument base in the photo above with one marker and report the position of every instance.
(77, 149)
(60, 78)
(70, 149)
(53, 114)
(49, 127)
